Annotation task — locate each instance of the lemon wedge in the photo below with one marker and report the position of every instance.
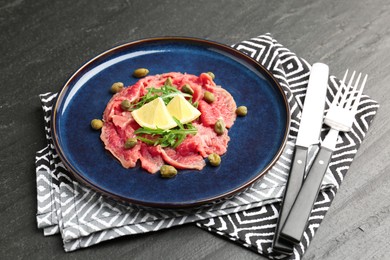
(181, 109)
(154, 115)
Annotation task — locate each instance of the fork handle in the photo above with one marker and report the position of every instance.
(297, 220)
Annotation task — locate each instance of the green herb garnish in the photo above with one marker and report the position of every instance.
(166, 138)
(167, 92)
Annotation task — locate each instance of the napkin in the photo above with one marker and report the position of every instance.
(84, 217)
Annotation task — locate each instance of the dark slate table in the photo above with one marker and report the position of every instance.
(43, 42)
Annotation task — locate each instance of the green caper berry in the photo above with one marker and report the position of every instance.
(187, 89)
(141, 72)
(168, 171)
(125, 105)
(208, 97)
(211, 74)
(219, 127)
(96, 124)
(241, 111)
(168, 82)
(130, 143)
(117, 87)
(214, 159)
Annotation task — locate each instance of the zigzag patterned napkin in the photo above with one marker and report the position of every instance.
(84, 217)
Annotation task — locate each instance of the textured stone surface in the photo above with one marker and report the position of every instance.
(43, 42)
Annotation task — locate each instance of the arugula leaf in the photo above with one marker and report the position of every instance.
(167, 92)
(166, 138)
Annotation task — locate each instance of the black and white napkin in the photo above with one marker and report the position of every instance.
(84, 217)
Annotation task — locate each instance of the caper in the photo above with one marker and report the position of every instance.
(241, 111)
(187, 89)
(168, 82)
(208, 97)
(125, 105)
(141, 72)
(117, 87)
(214, 159)
(219, 127)
(130, 143)
(211, 74)
(168, 171)
(96, 124)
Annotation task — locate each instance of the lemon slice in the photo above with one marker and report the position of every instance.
(181, 109)
(154, 115)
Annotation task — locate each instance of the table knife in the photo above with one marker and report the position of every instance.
(308, 135)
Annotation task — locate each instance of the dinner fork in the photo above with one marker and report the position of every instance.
(340, 117)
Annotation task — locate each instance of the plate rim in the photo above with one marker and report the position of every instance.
(203, 202)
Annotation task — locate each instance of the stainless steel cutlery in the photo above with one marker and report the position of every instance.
(308, 135)
(339, 118)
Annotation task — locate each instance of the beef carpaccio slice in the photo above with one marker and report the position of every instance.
(119, 125)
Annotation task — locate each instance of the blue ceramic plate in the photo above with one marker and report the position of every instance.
(256, 141)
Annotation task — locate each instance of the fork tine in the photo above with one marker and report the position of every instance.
(352, 96)
(340, 90)
(357, 100)
(347, 90)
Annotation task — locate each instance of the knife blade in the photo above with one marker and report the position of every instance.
(308, 135)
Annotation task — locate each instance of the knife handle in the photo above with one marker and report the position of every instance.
(293, 185)
(297, 219)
